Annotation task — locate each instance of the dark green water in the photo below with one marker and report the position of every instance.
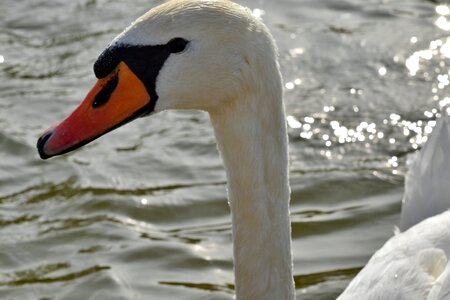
(142, 213)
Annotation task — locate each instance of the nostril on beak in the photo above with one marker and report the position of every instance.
(41, 143)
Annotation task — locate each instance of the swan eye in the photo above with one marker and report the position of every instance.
(177, 45)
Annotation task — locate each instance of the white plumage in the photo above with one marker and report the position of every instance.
(414, 264)
(230, 70)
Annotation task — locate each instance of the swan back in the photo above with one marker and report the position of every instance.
(411, 265)
(414, 264)
(427, 186)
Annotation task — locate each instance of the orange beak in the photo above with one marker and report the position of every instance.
(113, 101)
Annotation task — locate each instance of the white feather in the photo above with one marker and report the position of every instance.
(427, 191)
(414, 264)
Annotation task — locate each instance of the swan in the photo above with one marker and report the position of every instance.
(414, 263)
(213, 55)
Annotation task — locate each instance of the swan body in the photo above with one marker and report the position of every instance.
(211, 55)
(414, 264)
(411, 265)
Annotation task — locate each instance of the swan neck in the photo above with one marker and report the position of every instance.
(252, 139)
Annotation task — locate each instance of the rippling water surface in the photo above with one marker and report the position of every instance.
(142, 213)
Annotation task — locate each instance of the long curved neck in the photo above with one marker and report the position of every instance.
(252, 139)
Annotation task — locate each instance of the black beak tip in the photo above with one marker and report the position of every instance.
(41, 143)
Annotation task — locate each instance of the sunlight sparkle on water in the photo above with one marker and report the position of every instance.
(445, 49)
(444, 102)
(413, 62)
(442, 10)
(202, 251)
(442, 23)
(289, 85)
(309, 120)
(393, 162)
(296, 52)
(258, 13)
(443, 80)
(394, 118)
(293, 122)
(428, 114)
(328, 108)
(429, 128)
(392, 129)
(306, 135)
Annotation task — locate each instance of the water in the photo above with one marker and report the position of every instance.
(142, 213)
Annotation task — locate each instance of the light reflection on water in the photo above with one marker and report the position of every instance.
(142, 214)
(394, 128)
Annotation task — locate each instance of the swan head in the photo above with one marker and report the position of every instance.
(183, 54)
